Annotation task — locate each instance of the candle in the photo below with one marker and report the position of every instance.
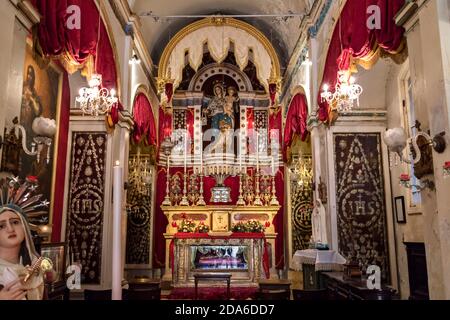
(240, 161)
(201, 153)
(273, 165)
(185, 149)
(117, 227)
(257, 151)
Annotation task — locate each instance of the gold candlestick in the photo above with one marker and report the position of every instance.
(257, 201)
(167, 201)
(274, 201)
(201, 200)
(184, 200)
(240, 201)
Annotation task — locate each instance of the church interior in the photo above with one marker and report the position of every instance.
(214, 150)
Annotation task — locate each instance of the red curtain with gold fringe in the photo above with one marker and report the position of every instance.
(354, 43)
(144, 121)
(87, 47)
(296, 121)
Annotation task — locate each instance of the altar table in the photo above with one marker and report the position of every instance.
(323, 260)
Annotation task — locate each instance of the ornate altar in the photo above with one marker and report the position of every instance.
(190, 252)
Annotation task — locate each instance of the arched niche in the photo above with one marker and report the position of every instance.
(240, 78)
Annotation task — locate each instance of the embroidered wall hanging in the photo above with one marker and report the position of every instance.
(360, 199)
(86, 203)
(301, 204)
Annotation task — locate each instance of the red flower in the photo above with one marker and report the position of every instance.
(267, 224)
(405, 177)
(174, 224)
(32, 179)
(447, 165)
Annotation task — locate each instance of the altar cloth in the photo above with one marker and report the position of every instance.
(324, 260)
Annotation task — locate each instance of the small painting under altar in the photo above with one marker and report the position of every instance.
(244, 255)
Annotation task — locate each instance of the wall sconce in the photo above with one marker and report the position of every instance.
(396, 141)
(44, 129)
(447, 170)
(405, 181)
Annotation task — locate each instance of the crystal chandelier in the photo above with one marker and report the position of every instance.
(303, 172)
(346, 93)
(96, 100)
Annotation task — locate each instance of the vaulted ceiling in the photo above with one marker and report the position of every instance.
(282, 33)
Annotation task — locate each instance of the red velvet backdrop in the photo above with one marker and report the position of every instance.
(60, 174)
(358, 41)
(296, 121)
(72, 46)
(56, 39)
(144, 120)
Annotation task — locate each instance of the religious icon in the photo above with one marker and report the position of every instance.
(21, 277)
(221, 111)
(41, 96)
(220, 221)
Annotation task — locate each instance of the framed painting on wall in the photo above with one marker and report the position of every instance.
(41, 97)
(400, 209)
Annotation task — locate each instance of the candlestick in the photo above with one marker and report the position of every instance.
(240, 201)
(274, 201)
(201, 199)
(117, 228)
(167, 201)
(257, 151)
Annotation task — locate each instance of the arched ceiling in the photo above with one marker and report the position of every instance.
(282, 34)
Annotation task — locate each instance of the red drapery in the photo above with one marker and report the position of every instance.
(296, 121)
(353, 40)
(144, 121)
(165, 124)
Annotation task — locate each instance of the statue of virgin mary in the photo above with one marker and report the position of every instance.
(221, 121)
(22, 270)
(319, 226)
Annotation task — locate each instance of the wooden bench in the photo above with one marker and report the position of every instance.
(274, 290)
(212, 277)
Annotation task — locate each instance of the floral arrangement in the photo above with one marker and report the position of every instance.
(239, 227)
(187, 226)
(202, 228)
(251, 226)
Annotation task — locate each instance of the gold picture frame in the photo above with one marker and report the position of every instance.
(47, 88)
(220, 221)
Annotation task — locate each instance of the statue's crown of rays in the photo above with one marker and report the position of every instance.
(22, 194)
